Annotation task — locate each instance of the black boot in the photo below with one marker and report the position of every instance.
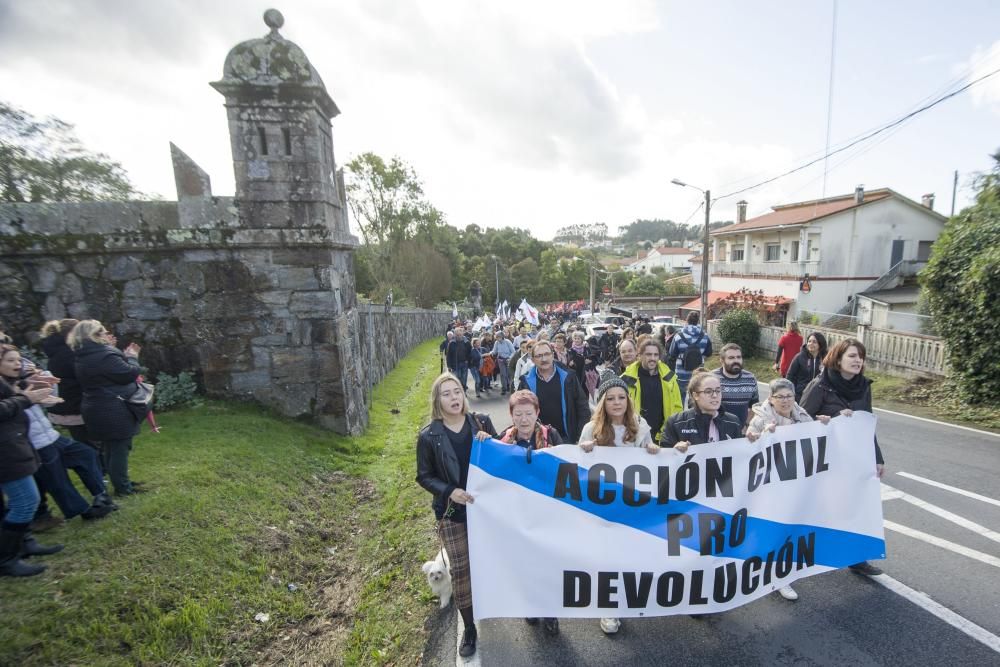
(468, 647)
(11, 538)
(31, 547)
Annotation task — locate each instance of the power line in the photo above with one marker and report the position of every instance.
(866, 137)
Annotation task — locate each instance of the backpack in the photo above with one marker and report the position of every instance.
(691, 359)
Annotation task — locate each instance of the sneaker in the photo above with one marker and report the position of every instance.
(551, 626)
(468, 647)
(788, 593)
(610, 625)
(866, 568)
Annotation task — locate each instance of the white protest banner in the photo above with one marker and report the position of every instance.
(624, 533)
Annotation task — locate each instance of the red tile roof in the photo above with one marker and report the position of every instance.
(801, 213)
(669, 250)
(713, 296)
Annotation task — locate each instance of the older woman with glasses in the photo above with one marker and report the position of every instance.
(780, 409)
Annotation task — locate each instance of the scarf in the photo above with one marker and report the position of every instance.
(582, 349)
(852, 389)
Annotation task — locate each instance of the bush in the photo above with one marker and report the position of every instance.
(961, 282)
(740, 326)
(173, 391)
(805, 317)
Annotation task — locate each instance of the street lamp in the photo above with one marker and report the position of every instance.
(497, 262)
(704, 250)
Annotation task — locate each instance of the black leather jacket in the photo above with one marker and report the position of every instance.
(437, 465)
(692, 426)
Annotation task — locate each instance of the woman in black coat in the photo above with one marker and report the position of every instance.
(706, 421)
(839, 390)
(62, 364)
(18, 464)
(807, 364)
(107, 377)
(444, 451)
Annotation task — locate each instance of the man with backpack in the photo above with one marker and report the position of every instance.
(688, 351)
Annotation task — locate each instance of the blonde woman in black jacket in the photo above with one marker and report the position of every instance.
(444, 450)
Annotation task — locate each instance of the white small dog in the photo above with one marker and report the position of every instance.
(439, 577)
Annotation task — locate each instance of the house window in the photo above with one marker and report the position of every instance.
(924, 251)
(737, 254)
(795, 251)
(772, 252)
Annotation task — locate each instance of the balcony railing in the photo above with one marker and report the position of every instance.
(796, 269)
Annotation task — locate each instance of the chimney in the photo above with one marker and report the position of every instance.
(859, 194)
(741, 211)
(928, 200)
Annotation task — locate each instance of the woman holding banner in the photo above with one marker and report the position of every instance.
(444, 450)
(780, 409)
(706, 421)
(841, 389)
(528, 432)
(615, 424)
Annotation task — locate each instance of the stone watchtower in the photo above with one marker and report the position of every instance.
(289, 193)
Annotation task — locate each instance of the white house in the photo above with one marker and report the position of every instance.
(669, 258)
(822, 253)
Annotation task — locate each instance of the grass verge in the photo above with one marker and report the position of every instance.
(247, 514)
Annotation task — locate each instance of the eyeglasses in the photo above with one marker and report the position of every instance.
(784, 397)
(543, 355)
(710, 392)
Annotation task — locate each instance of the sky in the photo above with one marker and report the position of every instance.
(545, 113)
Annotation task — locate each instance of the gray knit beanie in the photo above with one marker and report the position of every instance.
(608, 384)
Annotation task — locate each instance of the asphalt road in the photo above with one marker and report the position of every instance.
(937, 603)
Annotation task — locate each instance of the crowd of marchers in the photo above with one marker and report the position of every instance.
(78, 414)
(636, 389)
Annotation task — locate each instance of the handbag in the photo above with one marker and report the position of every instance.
(140, 401)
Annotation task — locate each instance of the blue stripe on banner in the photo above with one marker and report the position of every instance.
(833, 548)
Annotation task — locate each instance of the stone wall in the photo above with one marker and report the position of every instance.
(385, 339)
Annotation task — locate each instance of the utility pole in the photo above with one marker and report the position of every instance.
(593, 274)
(497, 263)
(704, 263)
(954, 191)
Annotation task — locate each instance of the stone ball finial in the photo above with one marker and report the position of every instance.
(273, 19)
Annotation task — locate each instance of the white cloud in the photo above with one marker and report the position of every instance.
(982, 62)
(497, 105)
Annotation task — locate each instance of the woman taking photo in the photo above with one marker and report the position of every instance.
(528, 432)
(615, 424)
(444, 449)
(841, 389)
(107, 377)
(808, 363)
(18, 464)
(780, 409)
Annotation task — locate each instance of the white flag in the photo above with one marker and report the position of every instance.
(530, 313)
(454, 310)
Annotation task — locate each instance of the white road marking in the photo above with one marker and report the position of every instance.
(924, 601)
(944, 544)
(472, 661)
(890, 493)
(939, 423)
(953, 489)
(949, 516)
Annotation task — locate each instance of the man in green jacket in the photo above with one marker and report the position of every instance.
(653, 388)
